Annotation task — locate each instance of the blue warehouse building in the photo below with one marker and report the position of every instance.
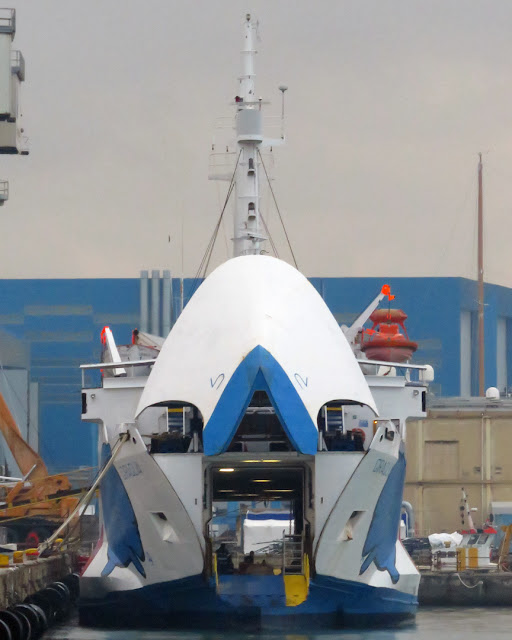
(59, 324)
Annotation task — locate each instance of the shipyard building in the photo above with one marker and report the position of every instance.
(59, 322)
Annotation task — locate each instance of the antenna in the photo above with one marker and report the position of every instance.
(282, 88)
(481, 343)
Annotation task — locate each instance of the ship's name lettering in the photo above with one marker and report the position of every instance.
(382, 467)
(130, 470)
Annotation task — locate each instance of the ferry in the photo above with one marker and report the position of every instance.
(253, 463)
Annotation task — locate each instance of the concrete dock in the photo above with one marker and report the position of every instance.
(465, 588)
(21, 580)
(440, 588)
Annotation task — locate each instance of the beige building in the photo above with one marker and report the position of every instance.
(464, 442)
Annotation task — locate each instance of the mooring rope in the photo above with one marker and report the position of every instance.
(468, 586)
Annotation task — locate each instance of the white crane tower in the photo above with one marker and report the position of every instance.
(12, 74)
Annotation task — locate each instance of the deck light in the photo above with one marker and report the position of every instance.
(261, 480)
(226, 470)
(278, 490)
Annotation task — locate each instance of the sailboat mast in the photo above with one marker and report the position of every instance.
(247, 223)
(481, 349)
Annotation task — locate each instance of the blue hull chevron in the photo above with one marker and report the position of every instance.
(259, 371)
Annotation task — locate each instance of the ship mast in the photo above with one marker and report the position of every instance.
(248, 235)
(481, 363)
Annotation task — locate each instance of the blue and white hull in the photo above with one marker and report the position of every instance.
(255, 402)
(153, 566)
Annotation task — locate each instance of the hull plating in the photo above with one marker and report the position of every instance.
(255, 602)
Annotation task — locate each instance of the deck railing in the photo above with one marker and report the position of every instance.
(293, 554)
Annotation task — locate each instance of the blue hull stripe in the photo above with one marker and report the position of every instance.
(121, 526)
(259, 371)
(194, 602)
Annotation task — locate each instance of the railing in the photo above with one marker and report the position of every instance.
(414, 373)
(221, 165)
(114, 365)
(7, 20)
(18, 64)
(293, 554)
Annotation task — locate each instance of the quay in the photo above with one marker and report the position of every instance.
(465, 588)
(437, 588)
(19, 581)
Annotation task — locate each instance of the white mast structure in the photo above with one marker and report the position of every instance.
(249, 231)
(248, 235)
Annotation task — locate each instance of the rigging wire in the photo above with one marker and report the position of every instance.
(224, 233)
(277, 208)
(444, 248)
(205, 261)
(270, 239)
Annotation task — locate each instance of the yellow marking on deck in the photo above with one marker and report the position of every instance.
(296, 589)
(216, 571)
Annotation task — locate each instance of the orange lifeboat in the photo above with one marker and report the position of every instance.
(384, 340)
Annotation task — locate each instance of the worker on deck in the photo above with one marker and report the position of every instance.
(224, 561)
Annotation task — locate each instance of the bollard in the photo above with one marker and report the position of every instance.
(4, 560)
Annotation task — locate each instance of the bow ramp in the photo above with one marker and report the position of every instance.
(256, 324)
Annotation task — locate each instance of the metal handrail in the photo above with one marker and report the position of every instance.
(397, 365)
(117, 365)
(114, 365)
(18, 64)
(295, 544)
(7, 17)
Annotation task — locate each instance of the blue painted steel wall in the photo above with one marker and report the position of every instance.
(61, 321)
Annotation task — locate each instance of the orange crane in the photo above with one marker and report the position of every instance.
(31, 508)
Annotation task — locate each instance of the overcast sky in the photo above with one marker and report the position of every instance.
(389, 103)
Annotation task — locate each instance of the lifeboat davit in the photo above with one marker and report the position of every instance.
(384, 340)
